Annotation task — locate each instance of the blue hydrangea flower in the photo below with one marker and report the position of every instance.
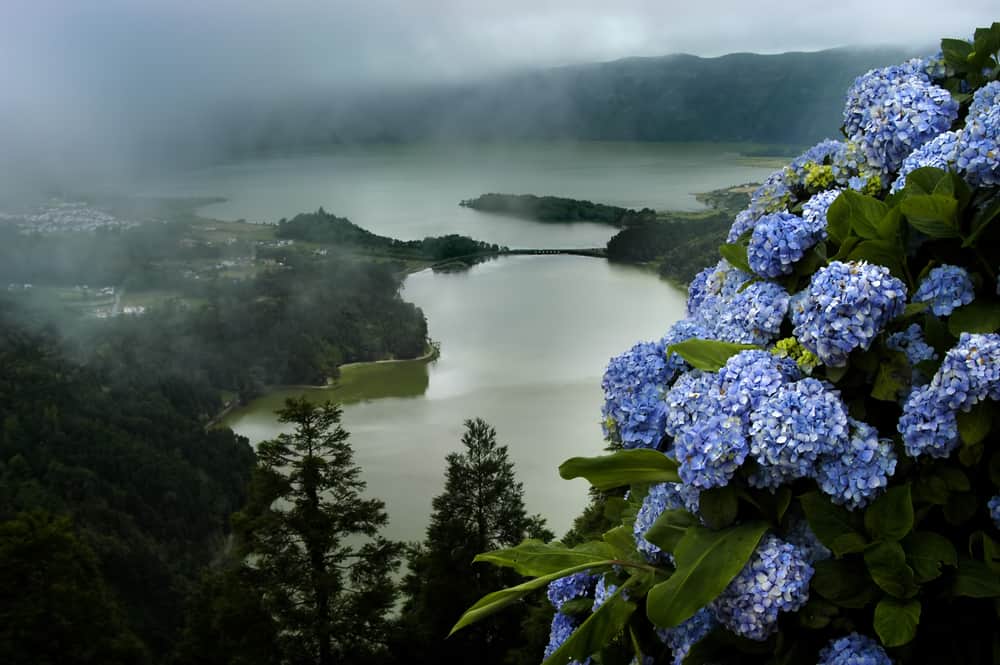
(563, 626)
(911, 113)
(681, 638)
(711, 292)
(814, 211)
(792, 428)
(749, 377)
(565, 589)
(697, 290)
(845, 306)
(775, 579)
(692, 397)
(946, 288)
(753, 315)
(911, 342)
(994, 506)
(928, 426)
(855, 649)
(602, 592)
(633, 385)
(941, 153)
(802, 536)
(743, 222)
(984, 99)
(978, 149)
(778, 241)
(870, 89)
(969, 373)
(772, 196)
(661, 497)
(710, 450)
(856, 473)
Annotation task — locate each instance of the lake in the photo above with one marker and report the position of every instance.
(524, 340)
(412, 191)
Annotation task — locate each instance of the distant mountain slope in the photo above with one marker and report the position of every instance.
(793, 98)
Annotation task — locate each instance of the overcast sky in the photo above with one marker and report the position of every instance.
(105, 61)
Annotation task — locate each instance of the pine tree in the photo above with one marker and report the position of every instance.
(481, 508)
(326, 574)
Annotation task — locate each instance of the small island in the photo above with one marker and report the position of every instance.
(555, 209)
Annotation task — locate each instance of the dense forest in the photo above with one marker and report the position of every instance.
(113, 498)
(551, 208)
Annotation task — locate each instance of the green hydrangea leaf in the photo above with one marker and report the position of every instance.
(890, 517)
(707, 354)
(534, 558)
(707, 561)
(896, 621)
(624, 467)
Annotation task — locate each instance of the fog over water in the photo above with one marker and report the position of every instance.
(95, 89)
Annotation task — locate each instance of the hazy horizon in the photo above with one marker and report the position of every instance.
(110, 86)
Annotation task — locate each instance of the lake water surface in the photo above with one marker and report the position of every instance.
(524, 340)
(412, 191)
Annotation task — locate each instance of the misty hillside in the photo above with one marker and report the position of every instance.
(787, 98)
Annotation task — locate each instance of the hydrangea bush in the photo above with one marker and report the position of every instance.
(812, 456)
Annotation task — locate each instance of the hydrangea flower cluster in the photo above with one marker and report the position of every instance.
(912, 113)
(911, 342)
(845, 306)
(854, 649)
(946, 288)
(870, 89)
(661, 497)
(853, 474)
(941, 153)
(680, 639)
(814, 211)
(778, 241)
(752, 316)
(722, 305)
(565, 589)
(602, 592)
(969, 373)
(563, 626)
(690, 399)
(749, 377)
(710, 450)
(775, 579)
(792, 428)
(633, 391)
(744, 221)
(994, 507)
(979, 144)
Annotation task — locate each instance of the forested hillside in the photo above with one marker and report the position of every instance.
(790, 98)
(147, 492)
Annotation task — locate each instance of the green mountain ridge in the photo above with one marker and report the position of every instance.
(787, 98)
